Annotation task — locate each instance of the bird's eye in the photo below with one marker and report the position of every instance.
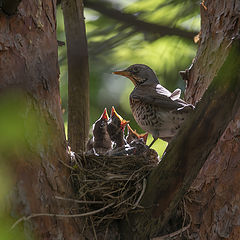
(135, 69)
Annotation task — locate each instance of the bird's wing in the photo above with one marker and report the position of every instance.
(158, 96)
(176, 94)
(159, 89)
(163, 91)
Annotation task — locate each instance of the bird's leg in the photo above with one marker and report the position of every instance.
(154, 140)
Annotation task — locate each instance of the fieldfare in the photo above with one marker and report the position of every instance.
(155, 109)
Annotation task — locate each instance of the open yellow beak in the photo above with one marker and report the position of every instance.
(105, 115)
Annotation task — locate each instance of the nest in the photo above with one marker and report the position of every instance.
(111, 186)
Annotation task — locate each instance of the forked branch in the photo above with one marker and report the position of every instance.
(187, 153)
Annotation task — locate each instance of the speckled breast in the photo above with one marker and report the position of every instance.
(153, 119)
(145, 115)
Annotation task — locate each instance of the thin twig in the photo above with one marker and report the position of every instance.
(94, 230)
(106, 232)
(134, 173)
(59, 215)
(173, 234)
(184, 213)
(126, 199)
(141, 194)
(79, 201)
(66, 165)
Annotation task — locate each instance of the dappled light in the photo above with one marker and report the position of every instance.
(119, 119)
(19, 130)
(20, 124)
(114, 45)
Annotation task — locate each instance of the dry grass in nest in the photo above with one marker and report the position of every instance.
(111, 186)
(108, 187)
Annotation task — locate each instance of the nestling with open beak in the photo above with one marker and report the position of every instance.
(115, 128)
(155, 109)
(133, 135)
(101, 139)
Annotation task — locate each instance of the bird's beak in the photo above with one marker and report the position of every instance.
(123, 73)
(113, 112)
(144, 136)
(105, 115)
(130, 130)
(127, 74)
(124, 123)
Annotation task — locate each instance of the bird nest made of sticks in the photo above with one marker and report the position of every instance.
(108, 187)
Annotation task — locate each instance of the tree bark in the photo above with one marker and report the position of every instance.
(78, 74)
(30, 75)
(185, 156)
(167, 184)
(213, 200)
(219, 24)
(29, 64)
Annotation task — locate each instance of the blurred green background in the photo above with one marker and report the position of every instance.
(23, 130)
(115, 41)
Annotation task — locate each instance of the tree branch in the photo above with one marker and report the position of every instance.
(185, 156)
(139, 25)
(78, 74)
(10, 6)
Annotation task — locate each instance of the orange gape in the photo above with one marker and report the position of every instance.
(132, 135)
(116, 126)
(101, 139)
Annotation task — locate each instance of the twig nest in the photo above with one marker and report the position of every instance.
(111, 186)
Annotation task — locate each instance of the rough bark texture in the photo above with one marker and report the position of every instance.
(213, 201)
(78, 74)
(220, 24)
(185, 156)
(29, 64)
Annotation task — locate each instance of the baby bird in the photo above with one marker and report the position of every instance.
(115, 128)
(133, 135)
(101, 139)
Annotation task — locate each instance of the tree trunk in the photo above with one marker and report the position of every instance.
(213, 200)
(220, 25)
(186, 154)
(29, 74)
(29, 88)
(78, 74)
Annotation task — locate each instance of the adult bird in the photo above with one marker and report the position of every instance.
(155, 109)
